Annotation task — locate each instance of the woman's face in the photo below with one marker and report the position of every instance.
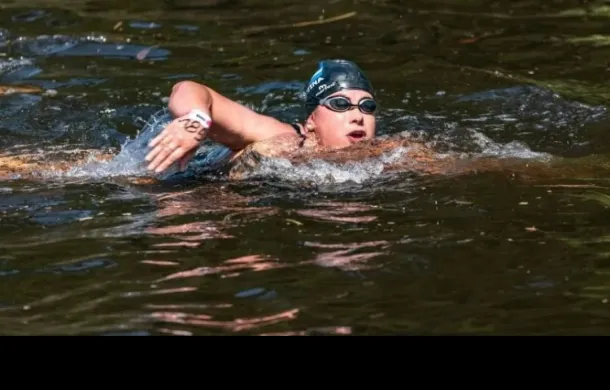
(341, 129)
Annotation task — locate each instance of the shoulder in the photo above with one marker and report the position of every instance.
(277, 146)
(281, 146)
(298, 128)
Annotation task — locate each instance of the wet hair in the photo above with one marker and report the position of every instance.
(333, 76)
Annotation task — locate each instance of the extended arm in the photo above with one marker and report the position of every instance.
(232, 124)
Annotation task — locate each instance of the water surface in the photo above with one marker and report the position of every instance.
(319, 248)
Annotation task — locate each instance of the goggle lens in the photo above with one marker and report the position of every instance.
(341, 104)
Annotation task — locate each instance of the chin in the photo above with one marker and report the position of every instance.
(336, 145)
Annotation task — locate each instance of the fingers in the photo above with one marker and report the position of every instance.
(161, 154)
(178, 141)
(162, 149)
(158, 138)
(155, 145)
(184, 161)
(153, 153)
(169, 160)
(163, 145)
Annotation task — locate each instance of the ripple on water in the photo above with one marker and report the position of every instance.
(29, 16)
(539, 117)
(229, 268)
(186, 27)
(527, 104)
(79, 266)
(242, 324)
(13, 69)
(64, 45)
(144, 25)
(339, 212)
(353, 256)
(50, 218)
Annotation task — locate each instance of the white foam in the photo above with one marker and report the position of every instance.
(13, 63)
(513, 149)
(320, 172)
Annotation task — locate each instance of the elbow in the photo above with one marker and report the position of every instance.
(186, 85)
(188, 94)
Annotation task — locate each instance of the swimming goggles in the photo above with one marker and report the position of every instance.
(342, 104)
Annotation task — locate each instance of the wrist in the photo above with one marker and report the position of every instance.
(198, 115)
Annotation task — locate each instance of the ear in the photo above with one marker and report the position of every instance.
(310, 124)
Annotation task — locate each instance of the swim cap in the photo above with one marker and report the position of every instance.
(333, 76)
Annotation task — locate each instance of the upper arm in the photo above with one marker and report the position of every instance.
(236, 125)
(243, 121)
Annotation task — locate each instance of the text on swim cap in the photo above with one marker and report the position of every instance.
(323, 88)
(314, 83)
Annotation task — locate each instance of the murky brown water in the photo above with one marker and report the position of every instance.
(321, 248)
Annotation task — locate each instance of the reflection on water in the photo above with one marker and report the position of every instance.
(502, 235)
(236, 325)
(345, 258)
(338, 212)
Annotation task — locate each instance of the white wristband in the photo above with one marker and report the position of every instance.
(201, 117)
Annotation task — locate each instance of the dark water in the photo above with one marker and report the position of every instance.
(320, 248)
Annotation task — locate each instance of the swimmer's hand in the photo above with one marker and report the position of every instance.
(178, 141)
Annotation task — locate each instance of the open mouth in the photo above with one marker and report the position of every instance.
(356, 135)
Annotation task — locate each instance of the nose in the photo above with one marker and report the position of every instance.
(355, 116)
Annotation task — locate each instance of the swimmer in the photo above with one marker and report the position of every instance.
(340, 109)
(340, 126)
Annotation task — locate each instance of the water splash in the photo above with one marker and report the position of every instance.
(484, 146)
(130, 161)
(398, 159)
(319, 172)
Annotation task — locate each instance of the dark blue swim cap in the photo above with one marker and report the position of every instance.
(333, 76)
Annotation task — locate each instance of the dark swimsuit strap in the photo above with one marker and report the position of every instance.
(297, 128)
